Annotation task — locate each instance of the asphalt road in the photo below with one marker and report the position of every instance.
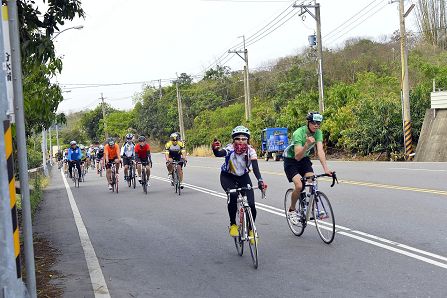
(391, 236)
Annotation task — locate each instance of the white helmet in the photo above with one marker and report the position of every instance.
(240, 130)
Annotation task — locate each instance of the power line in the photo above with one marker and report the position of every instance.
(334, 39)
(356, 14)
(355, 22)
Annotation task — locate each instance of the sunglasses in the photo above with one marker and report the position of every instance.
(315, 122)
(240, 139)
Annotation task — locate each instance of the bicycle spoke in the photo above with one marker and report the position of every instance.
(252, 240)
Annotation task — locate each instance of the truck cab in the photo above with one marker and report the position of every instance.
(274, 141)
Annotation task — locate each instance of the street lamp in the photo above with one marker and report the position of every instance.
(74, 27)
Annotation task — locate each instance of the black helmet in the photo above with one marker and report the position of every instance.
(141, 138)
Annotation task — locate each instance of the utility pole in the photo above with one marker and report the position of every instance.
(316, 16)
(246, 79)
(180, 111)
(51, 146)
(7, 259)
(159, 89)
(104, 117)
(57, 137)
(44, 151)
(405, 82)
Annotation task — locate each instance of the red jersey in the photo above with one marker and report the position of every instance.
(142, 151)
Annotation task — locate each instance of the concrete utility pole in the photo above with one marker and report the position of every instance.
(180, 111)
(246, 79)
(57, 137)
(405, 82)
(104, 117)
(316, 16)
(7, 258)
(51, 146)
(21, 147)
(159, 89)
(44, 151)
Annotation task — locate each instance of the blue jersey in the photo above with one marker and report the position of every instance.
(74, 154)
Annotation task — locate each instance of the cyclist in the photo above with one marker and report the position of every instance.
(65, 159)
(143, 155)
(297, 163)
(239, 156)
(175, 150)
(84, 159)
(99, 158)
(92, 153)
(128, 154)
(112, 155)
(74, 157)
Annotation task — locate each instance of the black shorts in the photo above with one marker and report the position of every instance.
(292, 167)
(127, 160)
(109, 164)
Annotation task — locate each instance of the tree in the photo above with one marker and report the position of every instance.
(432, 22)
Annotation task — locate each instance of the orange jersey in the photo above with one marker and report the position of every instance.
(112, 152)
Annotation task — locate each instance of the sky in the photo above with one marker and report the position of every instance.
(141, 41)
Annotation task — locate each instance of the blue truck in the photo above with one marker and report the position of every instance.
(274, 141)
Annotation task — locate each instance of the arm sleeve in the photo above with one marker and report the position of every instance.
(256, 171)
(220, 152)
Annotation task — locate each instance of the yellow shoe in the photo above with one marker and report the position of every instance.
(251, 237)
(234, 231)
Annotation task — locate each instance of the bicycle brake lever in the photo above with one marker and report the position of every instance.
(334, 178)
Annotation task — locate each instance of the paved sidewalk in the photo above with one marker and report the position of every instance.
(54, 221)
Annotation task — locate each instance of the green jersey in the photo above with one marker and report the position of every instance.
(299, 138)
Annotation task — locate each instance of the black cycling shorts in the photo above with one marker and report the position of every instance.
(292, 167)
(127, 160)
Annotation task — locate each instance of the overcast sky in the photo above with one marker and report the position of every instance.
(144, 40)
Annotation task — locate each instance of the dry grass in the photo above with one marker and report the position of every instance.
(202, 151)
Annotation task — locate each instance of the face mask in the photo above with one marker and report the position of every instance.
(240, 148)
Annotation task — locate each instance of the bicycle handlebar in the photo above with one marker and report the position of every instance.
(248, 187)
(334, 178)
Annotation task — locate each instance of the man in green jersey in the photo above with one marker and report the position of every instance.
(297, 163)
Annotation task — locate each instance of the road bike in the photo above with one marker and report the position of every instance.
(131, 178)
(100, 164)
(246, 223)
(175, 176)
(83, 171)
(114, 177)
(312, 205)
(144, 177)
(75, 175)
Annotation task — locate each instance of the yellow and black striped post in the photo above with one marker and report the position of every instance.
(408, 140)
(12, 194)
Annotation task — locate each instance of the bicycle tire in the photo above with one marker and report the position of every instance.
(116, 182)
(325, 224)
(238, 242)
(129, 179)
(253, 246)
(143, 181)
(134, 178)
(298, 227)
(113, 180)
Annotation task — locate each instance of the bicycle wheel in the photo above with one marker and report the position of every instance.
(129, 179)
(116, 182)
(175, 179)
(296, 222)
(238, 242)
(134, 178)
(324, 217)
(143, 180)
(252, 241)
(75, 177)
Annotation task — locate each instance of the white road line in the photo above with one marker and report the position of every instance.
(410, 169)
(343, 231)
(97, 278)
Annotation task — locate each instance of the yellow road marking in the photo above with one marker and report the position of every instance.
(360, 183)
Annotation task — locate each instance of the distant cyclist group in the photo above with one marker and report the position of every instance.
(105, 157)
(240, 158)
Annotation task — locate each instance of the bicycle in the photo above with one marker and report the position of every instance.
(131, 179)
(144, 179)
(175, 176)
(320, 210)
(83, 171)
(100, 164)
(245, 222)
(114, 177)
(75, 175)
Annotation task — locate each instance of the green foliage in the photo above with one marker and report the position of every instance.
(92, 122)
(120, 123)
